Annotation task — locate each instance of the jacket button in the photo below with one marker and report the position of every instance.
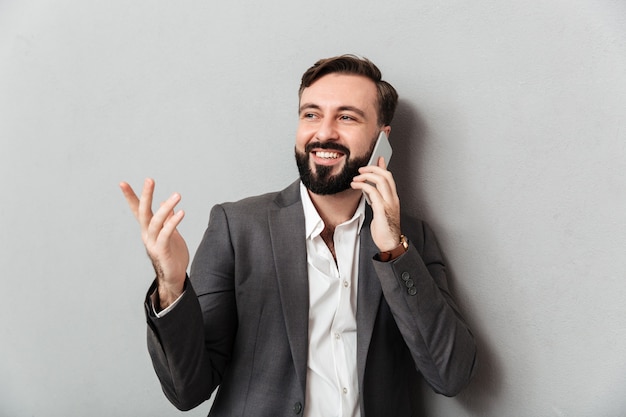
(405, 276)
(297, 407)
(412, 291)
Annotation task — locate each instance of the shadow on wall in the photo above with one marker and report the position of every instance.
(408, 136)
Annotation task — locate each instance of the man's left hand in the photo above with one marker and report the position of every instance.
(385, 203)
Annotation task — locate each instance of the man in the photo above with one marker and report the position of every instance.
(307, 301)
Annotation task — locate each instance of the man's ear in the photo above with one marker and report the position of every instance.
(387, 130)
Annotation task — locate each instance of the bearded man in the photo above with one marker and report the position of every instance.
(308, 301)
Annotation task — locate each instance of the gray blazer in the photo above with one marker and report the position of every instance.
(242, 323)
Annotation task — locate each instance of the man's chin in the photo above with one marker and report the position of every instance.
(327, 171)
(326, 186)
(333, 192)
(326, 179)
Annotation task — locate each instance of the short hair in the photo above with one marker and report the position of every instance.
(355, 65)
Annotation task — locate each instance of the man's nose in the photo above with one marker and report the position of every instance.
(327, 131)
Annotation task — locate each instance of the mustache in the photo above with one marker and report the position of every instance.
(327, 146)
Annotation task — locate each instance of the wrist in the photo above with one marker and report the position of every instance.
(401, 248)
(166, 295)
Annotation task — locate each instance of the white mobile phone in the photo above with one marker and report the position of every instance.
(382, 148)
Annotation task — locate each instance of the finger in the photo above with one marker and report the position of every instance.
(359, 183)
(169, 227)
(145, 204)
(162, 204)
(380, 176)
(161, 217)
(169, 215)
(375, 169)
(131, 197)
(379, 182)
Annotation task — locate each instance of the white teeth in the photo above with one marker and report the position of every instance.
(328, 155)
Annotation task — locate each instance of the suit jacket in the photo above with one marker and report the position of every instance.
(242, 323)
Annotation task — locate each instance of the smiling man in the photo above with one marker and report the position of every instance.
(308, 301)
(336, 114)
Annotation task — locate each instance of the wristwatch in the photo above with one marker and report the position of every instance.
(397, 251)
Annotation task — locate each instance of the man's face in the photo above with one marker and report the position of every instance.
(337, 130)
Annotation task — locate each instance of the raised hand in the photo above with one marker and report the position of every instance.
(385, 203)
(165, 246)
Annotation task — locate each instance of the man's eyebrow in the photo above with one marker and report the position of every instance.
(312, 106)
(353, 109)
(307, 106)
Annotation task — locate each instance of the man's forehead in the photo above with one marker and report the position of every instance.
(344, 89)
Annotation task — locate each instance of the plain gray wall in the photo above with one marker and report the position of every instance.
(510, 140)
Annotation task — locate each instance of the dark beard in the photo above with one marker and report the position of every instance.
(321, 181)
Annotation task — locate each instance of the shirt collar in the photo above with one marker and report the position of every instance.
(314, 223)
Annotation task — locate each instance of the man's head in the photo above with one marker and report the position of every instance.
(344, 104)
(387, 97)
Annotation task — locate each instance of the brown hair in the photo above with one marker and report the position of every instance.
(354, 65)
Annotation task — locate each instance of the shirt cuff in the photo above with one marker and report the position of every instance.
(154, 301)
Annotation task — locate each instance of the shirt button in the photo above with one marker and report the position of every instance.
(346, 284)
(337, 336)
(345, 390)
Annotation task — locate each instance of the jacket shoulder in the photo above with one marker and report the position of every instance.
(262, 202)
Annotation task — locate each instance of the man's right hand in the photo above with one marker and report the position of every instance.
(165, 246)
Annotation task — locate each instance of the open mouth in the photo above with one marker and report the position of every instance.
(328, 154)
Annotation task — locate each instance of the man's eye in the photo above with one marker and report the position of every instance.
(346, 117)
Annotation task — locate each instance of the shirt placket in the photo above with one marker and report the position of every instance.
(344, 326)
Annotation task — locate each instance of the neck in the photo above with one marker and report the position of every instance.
(337, 208)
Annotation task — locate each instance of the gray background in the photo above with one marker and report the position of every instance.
(510, 140)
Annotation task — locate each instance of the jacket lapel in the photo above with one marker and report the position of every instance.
(369, 295)
(287, 234)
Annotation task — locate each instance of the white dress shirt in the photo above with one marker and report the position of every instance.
(332, 383)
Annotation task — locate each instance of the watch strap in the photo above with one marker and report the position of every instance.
(402, 247)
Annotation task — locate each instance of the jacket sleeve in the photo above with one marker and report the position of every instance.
(191, 345)
(416, 289)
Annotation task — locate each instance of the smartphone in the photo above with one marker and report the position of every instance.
(382, 148)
